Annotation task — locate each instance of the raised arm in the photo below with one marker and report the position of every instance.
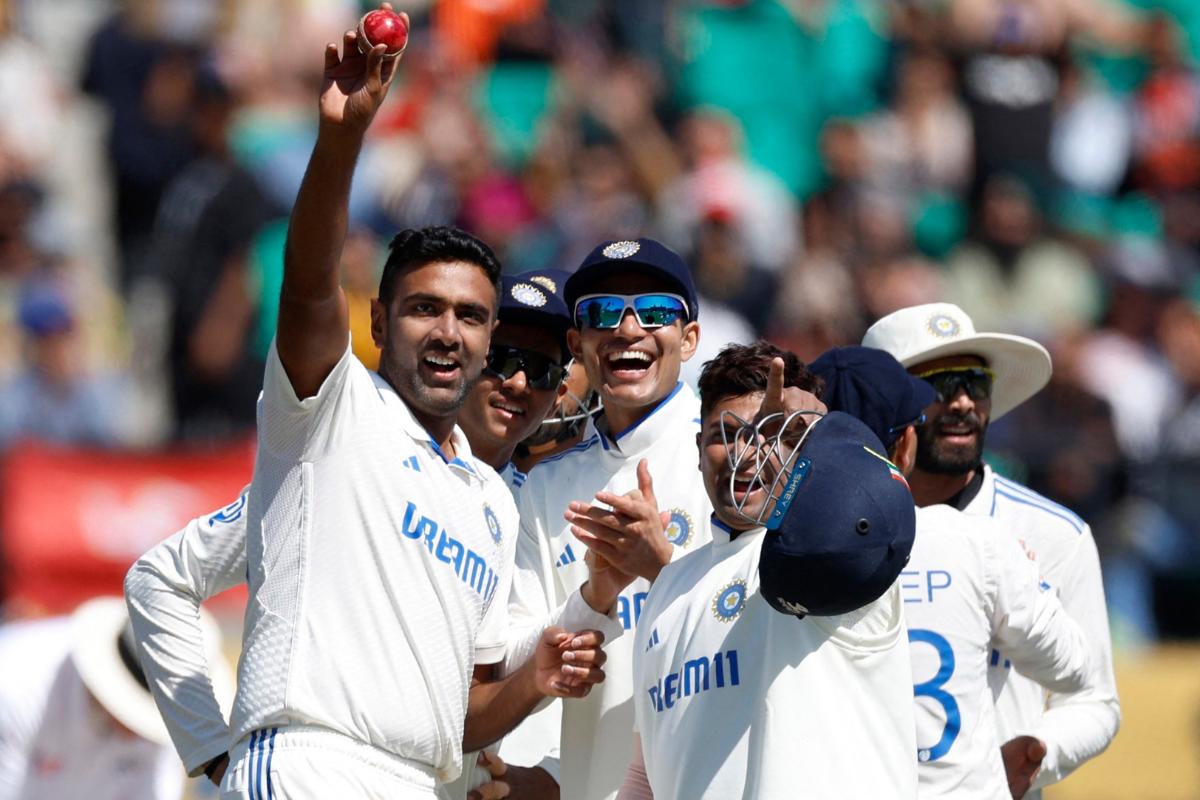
(313, 323)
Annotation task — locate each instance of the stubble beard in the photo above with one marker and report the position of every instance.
(443, 401)
(938, 458)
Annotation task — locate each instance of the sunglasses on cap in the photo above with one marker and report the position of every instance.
(541, 371)
(652, 309)
(919, 421)
(975, 381)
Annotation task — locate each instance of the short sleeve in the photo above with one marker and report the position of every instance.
(307, 429)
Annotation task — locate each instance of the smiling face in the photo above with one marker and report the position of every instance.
(715, 468)
(951, 440)
(433, 337)
(633, 368)
(500, 412)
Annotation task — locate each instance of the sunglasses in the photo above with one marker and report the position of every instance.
(541, 372)
(975, 381)
(605, 311)
(919, 421)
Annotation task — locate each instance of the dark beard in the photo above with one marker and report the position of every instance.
(940, 459)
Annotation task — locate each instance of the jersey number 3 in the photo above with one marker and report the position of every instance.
(932, 689)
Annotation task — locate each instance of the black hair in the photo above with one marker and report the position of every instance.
(413, 248)
(742, 369)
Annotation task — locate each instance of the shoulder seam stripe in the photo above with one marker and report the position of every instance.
(576, 449)
(1037, 498)
(1023, 501)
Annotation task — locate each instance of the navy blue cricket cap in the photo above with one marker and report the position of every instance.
(843, 528)
(873, 386)
(635, 255)
(531, 298)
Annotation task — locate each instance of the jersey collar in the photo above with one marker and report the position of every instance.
(723, 535)
(680, 403)
(463, 460)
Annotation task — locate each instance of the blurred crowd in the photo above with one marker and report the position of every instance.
(819, 163)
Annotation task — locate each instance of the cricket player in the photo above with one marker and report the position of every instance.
(979, 377)
(376, 550)
(968, 588)
(164, 588)
(773, 661)
(75, 717)
(635, 316)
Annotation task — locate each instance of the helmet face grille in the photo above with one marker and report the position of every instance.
(767, 452)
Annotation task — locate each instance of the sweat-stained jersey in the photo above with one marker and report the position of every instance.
(736, 700)
(969, 588)
(1075, 726)
(378, 571)
(594, 739)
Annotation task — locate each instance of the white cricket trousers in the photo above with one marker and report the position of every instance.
(300, 762)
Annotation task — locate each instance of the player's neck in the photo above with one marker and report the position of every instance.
(495, 455)
(618, 421)
(440, 429)
(931, 488)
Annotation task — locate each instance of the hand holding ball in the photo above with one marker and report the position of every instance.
(383, 26)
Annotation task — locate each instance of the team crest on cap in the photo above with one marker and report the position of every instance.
(528, 295)
(545, 281)
(730, 601)
(621, 249)
(943, 326)
(679, 528)
(493, 523)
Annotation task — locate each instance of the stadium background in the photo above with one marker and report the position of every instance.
(819, 163)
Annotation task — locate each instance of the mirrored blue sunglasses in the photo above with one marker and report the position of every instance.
(605, 311)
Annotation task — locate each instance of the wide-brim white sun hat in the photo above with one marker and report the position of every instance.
(104, 654)
(936, 330)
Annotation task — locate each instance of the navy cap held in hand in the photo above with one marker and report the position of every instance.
(845, 526)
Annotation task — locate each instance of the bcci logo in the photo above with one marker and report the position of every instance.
(545, 281)
(493, 523)
(943, 326)
(528, 295)
(679, 528)
(621, 249)
(730, 601)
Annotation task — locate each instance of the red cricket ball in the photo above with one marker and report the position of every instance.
(383, 27)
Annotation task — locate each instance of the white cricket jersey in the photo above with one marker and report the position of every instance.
(377, 570)
(968, 588)
(163, 591)
(55, 742)
(595, 735)
(736, 700)
(1075, 726)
